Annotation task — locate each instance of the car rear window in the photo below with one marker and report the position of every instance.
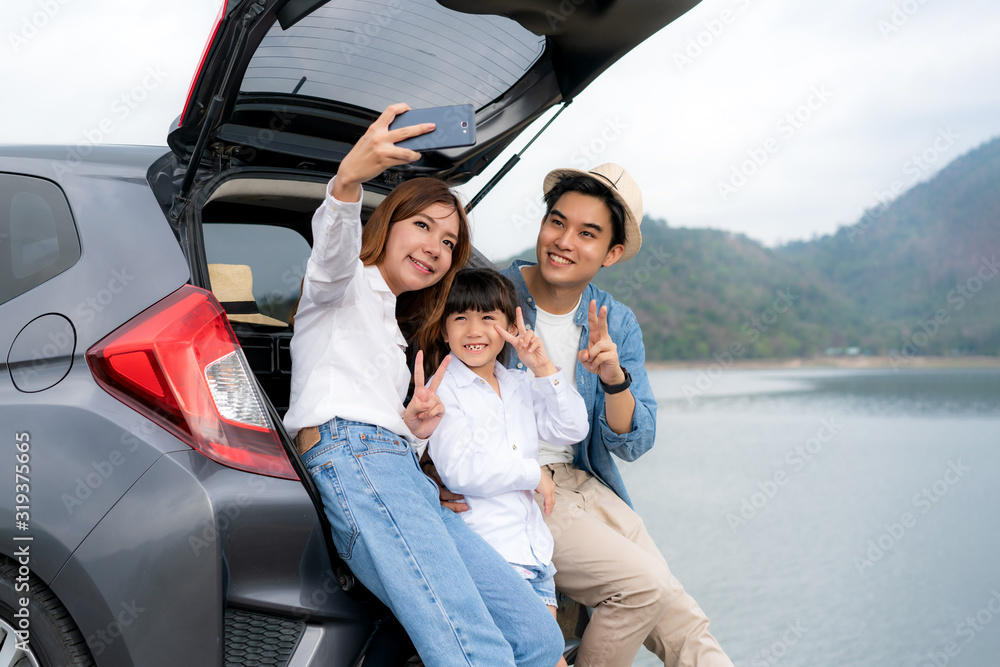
(38, 237)
(276, 256)
(371, 54)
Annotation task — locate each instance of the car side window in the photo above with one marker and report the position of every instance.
(38, 236)
(277, 258)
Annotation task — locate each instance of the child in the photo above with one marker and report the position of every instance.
(486, 445)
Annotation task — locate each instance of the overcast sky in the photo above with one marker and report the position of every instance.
(779, 119)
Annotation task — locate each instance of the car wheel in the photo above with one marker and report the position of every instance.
(53, 638)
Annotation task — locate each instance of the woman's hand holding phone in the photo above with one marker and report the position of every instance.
(375, 152)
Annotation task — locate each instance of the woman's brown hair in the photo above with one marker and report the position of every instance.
(417, 312)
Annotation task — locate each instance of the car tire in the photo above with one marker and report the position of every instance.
(54, 639)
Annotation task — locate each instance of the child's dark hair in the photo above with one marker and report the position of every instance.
(479, 289)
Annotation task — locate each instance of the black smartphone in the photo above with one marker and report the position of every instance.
(455, 126)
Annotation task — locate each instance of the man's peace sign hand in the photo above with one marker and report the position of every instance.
(425, 410)
(601, 355)
(529, 347)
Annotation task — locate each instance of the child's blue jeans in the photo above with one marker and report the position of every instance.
(542, 580)
(458, 599)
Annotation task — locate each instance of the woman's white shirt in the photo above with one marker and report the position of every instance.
(486, 447)
(348, 354)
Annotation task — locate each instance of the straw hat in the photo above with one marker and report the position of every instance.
(624, 189)
(232, 285)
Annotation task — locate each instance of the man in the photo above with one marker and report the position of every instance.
(604, 557)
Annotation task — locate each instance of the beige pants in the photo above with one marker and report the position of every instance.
(605, 559)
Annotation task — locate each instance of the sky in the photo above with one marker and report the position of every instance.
(778, 119)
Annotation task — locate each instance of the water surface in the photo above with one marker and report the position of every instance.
(831, 516)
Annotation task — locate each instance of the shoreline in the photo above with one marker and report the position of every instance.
(833, 362)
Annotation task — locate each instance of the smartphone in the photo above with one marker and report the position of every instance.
(455, 126)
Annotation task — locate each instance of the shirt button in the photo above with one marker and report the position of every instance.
(555, 382)
(520, 365)
(513, 446)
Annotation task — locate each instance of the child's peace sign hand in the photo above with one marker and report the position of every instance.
(529, 347)
(425, 410)
(601, 355)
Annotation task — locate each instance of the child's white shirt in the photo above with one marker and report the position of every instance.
(486, 448)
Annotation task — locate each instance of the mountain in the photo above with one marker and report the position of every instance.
(923, 269)
(699, 292)
(913, 276)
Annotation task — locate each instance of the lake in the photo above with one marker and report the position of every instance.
(831, 516)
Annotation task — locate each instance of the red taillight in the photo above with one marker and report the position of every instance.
(180, 365)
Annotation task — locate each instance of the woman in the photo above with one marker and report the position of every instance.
(458, 599)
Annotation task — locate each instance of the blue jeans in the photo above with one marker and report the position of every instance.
(542, 579)
(458, 599)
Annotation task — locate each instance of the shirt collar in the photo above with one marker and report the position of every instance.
(377, 282)
(464, 376)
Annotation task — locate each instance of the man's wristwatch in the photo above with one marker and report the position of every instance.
(617, 388)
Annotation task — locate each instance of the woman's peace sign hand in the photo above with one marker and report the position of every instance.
(425, 409)
(529, 347)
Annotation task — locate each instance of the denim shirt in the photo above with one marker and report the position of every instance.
(594, 452)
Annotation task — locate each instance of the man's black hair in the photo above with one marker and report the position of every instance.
(587, 185)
